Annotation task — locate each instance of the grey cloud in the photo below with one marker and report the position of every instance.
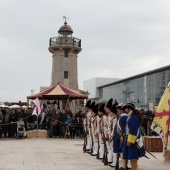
(119, 38)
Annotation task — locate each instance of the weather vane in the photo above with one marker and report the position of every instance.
(65, 18)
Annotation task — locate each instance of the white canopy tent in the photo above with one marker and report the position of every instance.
(15, 106)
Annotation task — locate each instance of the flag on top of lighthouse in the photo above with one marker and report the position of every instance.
(38, 107)
(161, 121)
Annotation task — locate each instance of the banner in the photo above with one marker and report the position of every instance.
(38, 107)
(161, 120)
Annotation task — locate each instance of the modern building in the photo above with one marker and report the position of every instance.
(139, 89)
(90, 86)
(64, 65)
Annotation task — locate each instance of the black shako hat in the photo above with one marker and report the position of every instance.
(109, 103)
(129, 105)
(92, 105)
(95, 108)
(101, 108)
(88, 104)
(113, 108)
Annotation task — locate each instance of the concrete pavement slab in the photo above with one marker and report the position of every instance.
(61, 154)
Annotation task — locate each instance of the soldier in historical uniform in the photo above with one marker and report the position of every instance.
(93, 129)
(112, 119)
(100, 130)
(130, 149)
(86, 125)
(119, 132)
(89, 125)
(109, 130)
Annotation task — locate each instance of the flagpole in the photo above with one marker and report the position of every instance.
(37, 127)
(37, 110)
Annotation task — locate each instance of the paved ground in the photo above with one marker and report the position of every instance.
(61, 154)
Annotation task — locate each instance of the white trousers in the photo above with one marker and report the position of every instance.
(95, 148)
(110, 151)
(89, 142)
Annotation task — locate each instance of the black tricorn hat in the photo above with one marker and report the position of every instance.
(129, 105)
(101, 108)
(113, 108)
(120, 106)
(92, 105)
(109, 103)
(95, 109)
(88, 104)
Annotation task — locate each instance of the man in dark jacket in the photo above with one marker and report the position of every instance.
(6, 122)
(63, 125)
(13, 120)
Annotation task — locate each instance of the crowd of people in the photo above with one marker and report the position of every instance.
(110, 131)
(113, 131)
(57, 123)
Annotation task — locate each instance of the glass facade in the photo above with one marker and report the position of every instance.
(138, 89)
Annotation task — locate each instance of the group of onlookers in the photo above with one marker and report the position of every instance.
(9, 119)
(57, 123)
(62, 123)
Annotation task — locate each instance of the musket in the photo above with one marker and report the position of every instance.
(90, 133)
(97, 156)
(105, 160)
(92, 143)
(85, 138)
(84, 145)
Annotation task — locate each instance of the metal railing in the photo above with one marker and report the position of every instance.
(71, 41)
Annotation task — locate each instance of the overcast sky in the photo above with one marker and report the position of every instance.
(120, 38)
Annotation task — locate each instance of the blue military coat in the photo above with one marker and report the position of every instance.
(131, 135)
(117, 139)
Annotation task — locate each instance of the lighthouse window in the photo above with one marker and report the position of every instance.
(66, 52)
(66, 74)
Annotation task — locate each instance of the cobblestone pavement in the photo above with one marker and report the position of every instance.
(60, 154)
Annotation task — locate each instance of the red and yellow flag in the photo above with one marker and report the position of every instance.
(161, 120)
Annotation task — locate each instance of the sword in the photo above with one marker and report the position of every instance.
(151, 154)
(146, 151)
(141, 151)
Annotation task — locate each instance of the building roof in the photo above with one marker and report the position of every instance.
(138, 75)
(58, 92)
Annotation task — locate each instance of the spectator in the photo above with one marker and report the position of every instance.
(53, 124)
(68, 120)
(47, 126)
(63, 126)
(68, 112)
(30, 120)
(79, 130)
(6, 122)
(1, 114)
(73, 128)
(79, 113)
(13, 120)
(1, 119)
(20, 114)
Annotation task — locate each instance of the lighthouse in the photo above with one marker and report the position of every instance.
(65, 49)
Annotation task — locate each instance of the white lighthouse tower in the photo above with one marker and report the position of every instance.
(65, 48)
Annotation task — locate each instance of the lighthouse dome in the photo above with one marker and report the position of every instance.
(65, 29)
